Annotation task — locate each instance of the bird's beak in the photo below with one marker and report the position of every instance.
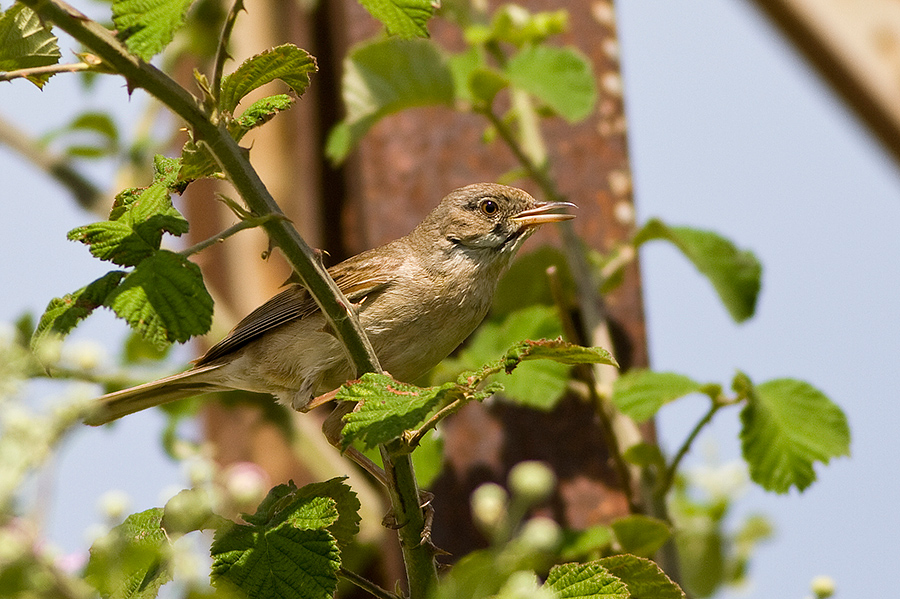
(542, 214)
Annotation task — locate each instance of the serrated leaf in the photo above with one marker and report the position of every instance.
(261, 112)
(538, 384)
(164, 299)
(735, 274)
(788, 425)
(641, 535)
(132, 561)
(384, 77)
(403, 18)
(388, 407)
(147, 26)
(640, 393)
(576, 581)
(287, 62)
(287, 549)
(644, 579)
(114, 241)
(277, 562)
(25, 42)
(197, 162)
(63, 313)
(559, 77)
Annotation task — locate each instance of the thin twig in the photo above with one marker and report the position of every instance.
(52, 69)
(366, 584)
(88, 195)
(415, 437)
(222, 50)
(236, 228)
(669, 477)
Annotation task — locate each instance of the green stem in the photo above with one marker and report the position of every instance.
(236, 228)
(336, 308)
(415, 544)
(669, 477)
(366, 585)
(338, 311)
(222, 50)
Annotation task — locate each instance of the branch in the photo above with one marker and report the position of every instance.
(222, 51)
(335, 307)
(669, 478)
(88, 195)
(52, 69)
(366, 585)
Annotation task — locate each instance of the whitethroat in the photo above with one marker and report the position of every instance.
(418, 298)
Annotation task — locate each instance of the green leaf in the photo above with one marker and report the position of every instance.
(114, 241)
(25, 42)
(645, 580)
(559, 77)
(147, 26)
(526, 283)
(403, 18)
(286, 62)
(557, 350)
(197, 162)
(788, 425)
(385, 77)
(584, 544)
(645, 455)
(132, 561)
(702, 559)
(388, 407)
(640, 393)
(63, 313)
(537, 384)
(576, 581)
(286, 550)
(346, 526)
(641, 535)
(735, 274)
(428, 459)
(261, 112)
(164, 299)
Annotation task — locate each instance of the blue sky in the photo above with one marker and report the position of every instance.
(729, 131)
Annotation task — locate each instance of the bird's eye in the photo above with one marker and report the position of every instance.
(489, 207)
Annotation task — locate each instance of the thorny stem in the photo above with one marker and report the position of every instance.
(338, 311)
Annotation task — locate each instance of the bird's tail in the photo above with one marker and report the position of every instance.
(113, 406)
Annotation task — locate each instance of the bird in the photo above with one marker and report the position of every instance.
(418, 298)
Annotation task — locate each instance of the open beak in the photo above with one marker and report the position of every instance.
(543, 213)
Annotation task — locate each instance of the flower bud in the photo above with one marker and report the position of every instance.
(113, 504)
(489, 506)
(822, 586)
(541, 534)
(532, 482)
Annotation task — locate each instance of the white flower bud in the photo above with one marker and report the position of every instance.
(84, 354)
(113, 504)
(489, 506)
(246, 483)
(532, 481)
(822, 586)
(541, 534)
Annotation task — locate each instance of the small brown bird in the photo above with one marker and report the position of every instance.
(418, 298)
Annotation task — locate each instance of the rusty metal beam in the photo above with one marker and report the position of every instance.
(855, 46)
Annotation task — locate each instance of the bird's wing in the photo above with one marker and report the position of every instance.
(352, 278)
